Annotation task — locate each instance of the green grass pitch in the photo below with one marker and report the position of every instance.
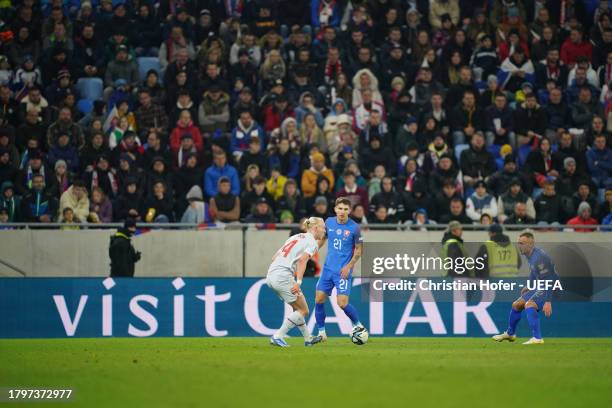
(247, 372)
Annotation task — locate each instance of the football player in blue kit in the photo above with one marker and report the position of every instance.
(343, 251)
(532, 301)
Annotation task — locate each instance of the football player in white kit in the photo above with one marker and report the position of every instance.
(288, 261)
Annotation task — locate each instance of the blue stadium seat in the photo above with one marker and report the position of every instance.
(459, 149)
(90, 88)
(147, 63)
(85, 106)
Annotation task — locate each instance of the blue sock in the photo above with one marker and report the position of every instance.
(513, 320)
(534, 322)
(352, 313)
(320, 315)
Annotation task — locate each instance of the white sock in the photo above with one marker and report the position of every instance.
(303, 328)
(293, 320)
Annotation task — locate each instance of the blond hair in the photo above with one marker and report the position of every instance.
(311, 222)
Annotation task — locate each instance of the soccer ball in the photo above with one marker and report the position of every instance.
(359, 336)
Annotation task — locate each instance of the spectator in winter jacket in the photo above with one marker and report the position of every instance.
(520, 215)
(466, 119)
(122, 67)
(10, 202)
(480, 202)
(506, 203)
(76, 199)
(245, 129)
(476, 162)
(219, 169)
(530, 119)
(599, 161)
(583, 110)
(183, 126)
(310, 176)
(357, 195)
(500, 122)
(276, 112)
(557, 113)
(159, 206)
(390, 199)
(213, 113)
(38, 205)
(286, 159)
(574, 46)
(65, 151)
(377, 154)
(548, 205)
(150, 115)
(583, 218)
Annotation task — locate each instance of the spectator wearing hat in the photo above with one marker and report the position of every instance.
(159, 171)
(499, 256)
(123, 256)
(248, 42)
(246, 127)
(186, 148)
(262, 213)
(377, 154)
(583, 217)
(62, 178)
(188, 175)
(453, 247)
(310, 175)
(66, 151)
(481, 202)
(38, 204)
(198, 211)
(440, 8)
(225, 205)
(121, 67)
(244, 69)
(102, 175)
(213, 112)
(10, 201)
(60, 88)
(506, 203)
(586, 193)
(8, 169)
(185, 125)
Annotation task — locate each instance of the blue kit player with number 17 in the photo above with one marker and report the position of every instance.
(343, 251)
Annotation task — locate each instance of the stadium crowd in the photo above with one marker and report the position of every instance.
(265, 111)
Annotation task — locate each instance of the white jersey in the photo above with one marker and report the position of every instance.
(286, 257)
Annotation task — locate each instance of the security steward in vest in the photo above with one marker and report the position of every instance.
(122, 254)
(501, 258)
(453, 247)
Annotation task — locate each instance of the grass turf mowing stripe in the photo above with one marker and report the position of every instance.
(235, 372)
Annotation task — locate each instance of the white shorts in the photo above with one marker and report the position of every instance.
(281, 283)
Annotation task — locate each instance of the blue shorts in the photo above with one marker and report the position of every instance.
(536, 296)
(329, 279)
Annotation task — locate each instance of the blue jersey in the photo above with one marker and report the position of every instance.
(541, 267)
(342, 239)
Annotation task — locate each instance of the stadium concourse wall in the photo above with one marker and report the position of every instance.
(188, 253)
